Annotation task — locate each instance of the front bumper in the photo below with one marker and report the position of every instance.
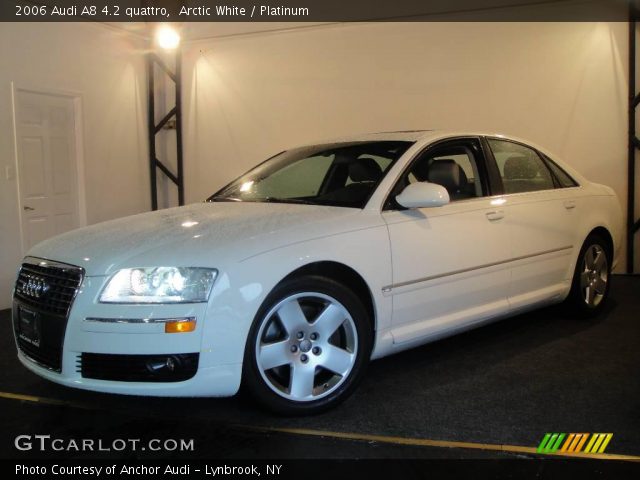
(214, 381)
(218, 340)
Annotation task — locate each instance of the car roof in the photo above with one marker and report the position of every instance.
(427, 136)
(417, 135)
(395, 135)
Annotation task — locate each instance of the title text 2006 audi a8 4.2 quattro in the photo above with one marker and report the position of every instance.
(292, 277)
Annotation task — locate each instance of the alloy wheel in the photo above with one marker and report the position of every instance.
(306, 346)
(594, 275)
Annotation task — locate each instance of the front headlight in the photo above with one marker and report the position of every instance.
(160, 285)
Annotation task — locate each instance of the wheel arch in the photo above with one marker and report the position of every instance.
(610, 245)
(345, 275)
(606, 235)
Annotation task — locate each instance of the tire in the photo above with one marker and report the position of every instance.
(591, 278)
(308, 347)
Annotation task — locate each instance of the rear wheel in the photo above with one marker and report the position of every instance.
(591, 279)
(308, 347)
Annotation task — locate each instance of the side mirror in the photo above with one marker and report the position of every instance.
(422, 195)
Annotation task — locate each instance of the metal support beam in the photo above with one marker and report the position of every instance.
(166, 118)
(167, 172)
(154, 129)
(633, 141)
(151, 119)
(178, 83)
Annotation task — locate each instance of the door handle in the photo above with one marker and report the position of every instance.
(569, 204)
(493, 216)
(28, 208)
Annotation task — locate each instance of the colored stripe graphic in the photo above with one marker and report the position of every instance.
(606, 442)
(570, 440)
(543, 443)
(581, 442)
(553, 443)
(596, 446)
(592, 440)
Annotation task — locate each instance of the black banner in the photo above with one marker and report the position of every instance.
(321, 469)
(312, 10)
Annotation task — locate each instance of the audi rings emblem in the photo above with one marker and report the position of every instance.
(35, 286)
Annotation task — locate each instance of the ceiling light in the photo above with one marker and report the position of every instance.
(167, 38)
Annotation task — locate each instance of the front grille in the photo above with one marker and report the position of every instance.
(43, 297)
(48, 286)
(138, 368)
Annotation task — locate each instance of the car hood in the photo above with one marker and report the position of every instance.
(202, 234)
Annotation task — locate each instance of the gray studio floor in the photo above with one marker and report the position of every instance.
(504, 384)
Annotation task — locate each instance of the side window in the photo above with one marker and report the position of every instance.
(521, 167)
(455, 167)
(563, 178)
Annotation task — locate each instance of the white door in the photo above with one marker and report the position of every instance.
(47, 165)
(450, 263)
(543, 213)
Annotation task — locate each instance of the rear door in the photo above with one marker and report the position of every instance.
(542, 208)
(448, 262)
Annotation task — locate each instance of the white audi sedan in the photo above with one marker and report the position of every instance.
(293, 277)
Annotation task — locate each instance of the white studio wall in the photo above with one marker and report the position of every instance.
(249, 96)
(104, 68)
(562, 85)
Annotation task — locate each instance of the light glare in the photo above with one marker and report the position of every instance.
(246, 186)
(167, 38)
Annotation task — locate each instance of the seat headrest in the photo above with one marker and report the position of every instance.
(365, 170)
(448, 174)
(421, 170)
(519, 167)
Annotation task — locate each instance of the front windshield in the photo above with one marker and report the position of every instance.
(343, 174)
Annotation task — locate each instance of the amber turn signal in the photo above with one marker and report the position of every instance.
(180, 326)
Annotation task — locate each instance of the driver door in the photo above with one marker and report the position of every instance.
(450, 263)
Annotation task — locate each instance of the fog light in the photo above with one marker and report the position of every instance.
(180, 326)
(159, 364)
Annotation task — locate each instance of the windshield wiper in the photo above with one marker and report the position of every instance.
(286, 200)
(224, 199)
(300, 201)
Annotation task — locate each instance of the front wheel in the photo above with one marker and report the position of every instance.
(308, 346)
(591, 279)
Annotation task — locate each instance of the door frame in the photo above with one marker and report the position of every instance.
(76, 98)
